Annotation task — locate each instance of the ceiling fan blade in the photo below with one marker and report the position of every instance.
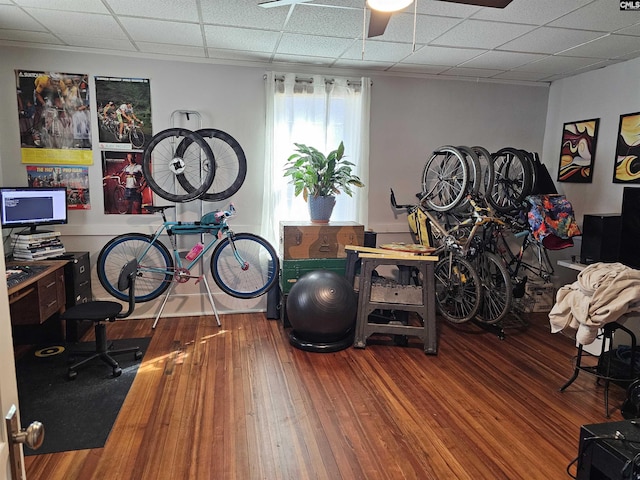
(378, 23)
(280, 3)
(483, 3)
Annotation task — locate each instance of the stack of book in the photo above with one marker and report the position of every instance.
(36, 246)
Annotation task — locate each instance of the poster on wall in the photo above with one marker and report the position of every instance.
(124, 187)
(123, 112)
(578, 150)
(627, 168)
(76, 179)
(54, 117)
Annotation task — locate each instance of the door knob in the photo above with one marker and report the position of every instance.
(32, 436)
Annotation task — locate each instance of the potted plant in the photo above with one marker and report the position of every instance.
(319, 178)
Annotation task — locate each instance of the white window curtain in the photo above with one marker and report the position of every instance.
(321, 113)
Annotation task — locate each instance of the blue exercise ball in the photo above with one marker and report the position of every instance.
(322, 308)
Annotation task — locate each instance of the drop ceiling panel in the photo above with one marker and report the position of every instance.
(29, 37)
(99, 42)
(335, 22)
(240, 39)
(601, 15)
(442, 56)
(378, 51)
(77, 23)
(558, 64)
(502, 60)
(175, 50)
(481, 34)
(86, 6)
(549, 40)
(178, 10)
(296, 44)
(243, 13)
(428, 28)
(158, 31)
(15, 18)
(536, 12)
(610, 46)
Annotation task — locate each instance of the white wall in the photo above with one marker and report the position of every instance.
(605, 94)
(410, 117)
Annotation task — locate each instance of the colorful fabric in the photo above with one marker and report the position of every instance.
(552, 215)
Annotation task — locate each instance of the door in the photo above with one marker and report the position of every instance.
(8, 387)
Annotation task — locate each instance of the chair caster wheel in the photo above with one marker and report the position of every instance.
(72, 375)
(117, 371)
(138, 355)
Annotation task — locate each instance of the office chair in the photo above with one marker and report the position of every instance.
(101, 312)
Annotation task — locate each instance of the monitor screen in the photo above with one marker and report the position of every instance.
(26, 207)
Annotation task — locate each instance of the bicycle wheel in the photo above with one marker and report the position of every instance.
(136, 137)
(458, 289)
(119, 199)
(513, 179)
(497, 288)
(165, 169)
(488, 173)
(231, 164)
(153, 276)
(475, 179)
(245, 266)
(444, 179)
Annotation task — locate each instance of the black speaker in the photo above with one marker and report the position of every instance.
(630, 242)
(601, 238)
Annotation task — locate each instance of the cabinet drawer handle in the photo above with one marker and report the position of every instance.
(52, 284)
(52, 303)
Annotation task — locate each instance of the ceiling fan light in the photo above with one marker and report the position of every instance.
(388, 5)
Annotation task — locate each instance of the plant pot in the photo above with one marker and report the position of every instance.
(320, 208)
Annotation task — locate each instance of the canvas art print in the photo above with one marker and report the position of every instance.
(577, 153)
(627, 168)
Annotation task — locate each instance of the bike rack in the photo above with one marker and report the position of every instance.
(188, 114)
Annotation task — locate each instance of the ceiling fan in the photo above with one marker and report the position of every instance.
(381, 10)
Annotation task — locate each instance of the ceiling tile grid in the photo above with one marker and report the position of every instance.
(528, 41)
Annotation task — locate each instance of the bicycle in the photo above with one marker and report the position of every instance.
(116, 200)
(133, 131)
(243, 265)
(471, 281)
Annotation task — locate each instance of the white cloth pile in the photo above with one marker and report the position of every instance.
(603, 293)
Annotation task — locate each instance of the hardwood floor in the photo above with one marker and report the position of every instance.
(239, 402)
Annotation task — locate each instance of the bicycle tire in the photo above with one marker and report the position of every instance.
(120, 200)
(260, 273)
(231, 165)
(136, 137)
(165, 169)
(475, 179)
(445, 179)
(153, 277)
(488, 173)
(497, 288)
(458, 289)
(513, 179)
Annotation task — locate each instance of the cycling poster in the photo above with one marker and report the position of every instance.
(123, 184)
(123, 113)
(54, 117)
(76, 179)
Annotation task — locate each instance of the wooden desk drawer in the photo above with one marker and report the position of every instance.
(48, 294)
(37, 302)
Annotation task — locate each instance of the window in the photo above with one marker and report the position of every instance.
(321, 113)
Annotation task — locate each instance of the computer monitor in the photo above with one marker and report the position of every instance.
(30, 207)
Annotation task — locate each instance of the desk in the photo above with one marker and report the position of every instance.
(37, 298)
(572, 265)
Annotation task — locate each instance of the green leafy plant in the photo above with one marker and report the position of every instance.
(313, 173)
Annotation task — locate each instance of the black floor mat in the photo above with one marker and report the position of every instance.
(76, 414)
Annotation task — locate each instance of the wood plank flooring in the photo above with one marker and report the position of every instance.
(238, 402)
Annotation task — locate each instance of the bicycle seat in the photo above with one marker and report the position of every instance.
(156, 209)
